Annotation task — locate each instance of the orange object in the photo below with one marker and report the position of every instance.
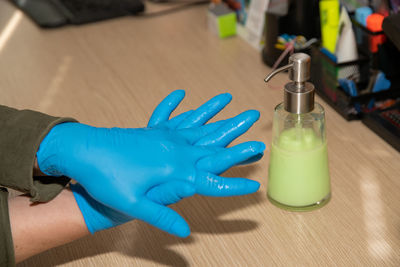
(374, 24)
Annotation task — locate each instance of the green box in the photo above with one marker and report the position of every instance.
(222, 20)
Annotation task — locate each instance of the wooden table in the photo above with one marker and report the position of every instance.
(114, 73)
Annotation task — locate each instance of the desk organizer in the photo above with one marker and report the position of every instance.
(367, 41)
(382, 53)
(325, 74)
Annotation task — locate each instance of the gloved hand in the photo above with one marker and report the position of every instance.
(99, 217)
(125, 169)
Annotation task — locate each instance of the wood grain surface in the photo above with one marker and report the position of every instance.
(114, 73)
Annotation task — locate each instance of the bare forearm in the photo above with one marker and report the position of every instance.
(39, 227)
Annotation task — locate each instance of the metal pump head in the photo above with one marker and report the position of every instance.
(299, 94)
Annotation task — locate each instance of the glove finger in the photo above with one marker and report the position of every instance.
(231, 130)
(227, 158)
(206, 111)
(208, 184)
(166, 107)
(163, 218)
(171, 192)
(175, 121)
(194, 134)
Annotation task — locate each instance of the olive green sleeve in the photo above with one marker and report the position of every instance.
(7, 257)
(21, 132)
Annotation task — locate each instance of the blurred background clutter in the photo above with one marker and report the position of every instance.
(354, 44)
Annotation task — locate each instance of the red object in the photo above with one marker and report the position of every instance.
(374, 24)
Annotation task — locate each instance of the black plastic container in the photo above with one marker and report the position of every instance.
(325, 74)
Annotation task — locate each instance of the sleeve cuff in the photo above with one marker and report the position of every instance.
(21, 132)
(7, 257)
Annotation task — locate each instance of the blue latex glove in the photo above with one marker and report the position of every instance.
(127, 169)
(99, 217)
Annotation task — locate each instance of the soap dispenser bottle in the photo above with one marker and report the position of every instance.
(298, 175)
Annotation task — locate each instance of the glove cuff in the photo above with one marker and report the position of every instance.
(48, 154)
(97, 216)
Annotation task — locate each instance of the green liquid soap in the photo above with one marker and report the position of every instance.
(298, 172)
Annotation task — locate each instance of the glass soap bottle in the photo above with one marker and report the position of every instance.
(298, 175)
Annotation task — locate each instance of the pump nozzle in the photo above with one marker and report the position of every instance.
(272, 74)
(299, 94)
(299, 68)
